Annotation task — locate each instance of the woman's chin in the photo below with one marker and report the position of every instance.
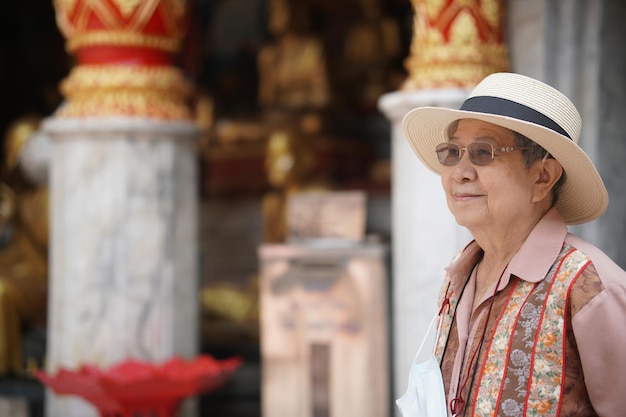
(467, 221)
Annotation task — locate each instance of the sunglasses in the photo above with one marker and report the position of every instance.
(480, 153)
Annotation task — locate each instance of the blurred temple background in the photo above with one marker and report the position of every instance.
(284, 100)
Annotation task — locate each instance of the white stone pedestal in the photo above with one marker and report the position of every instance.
(425, 234)
(123, 245)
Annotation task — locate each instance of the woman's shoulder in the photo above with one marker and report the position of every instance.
(608, 272)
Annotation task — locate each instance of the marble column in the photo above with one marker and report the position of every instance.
(611, 149)
(572, 46)
(455, 44)
(425, 235)
(123, 184)
(123, 245)
(559, 43)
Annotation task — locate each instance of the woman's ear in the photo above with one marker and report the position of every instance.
(548, 172)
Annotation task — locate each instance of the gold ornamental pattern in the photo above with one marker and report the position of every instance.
(126, 7)
(455, 43)
(136, 91)
(121, 23)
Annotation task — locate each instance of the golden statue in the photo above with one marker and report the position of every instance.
(290, 166)
(292, 70)
(23, 250)
(370, 46)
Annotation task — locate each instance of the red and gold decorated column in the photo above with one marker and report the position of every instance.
(456, 43)
(123, 184)
(124, 51)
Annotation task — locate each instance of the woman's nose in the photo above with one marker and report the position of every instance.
(465, 169)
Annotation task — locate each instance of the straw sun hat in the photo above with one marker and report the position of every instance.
(535, 110)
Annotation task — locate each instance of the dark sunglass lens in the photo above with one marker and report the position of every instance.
(480, 153)
(448, 153)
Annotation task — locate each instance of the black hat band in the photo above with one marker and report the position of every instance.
(503, 107)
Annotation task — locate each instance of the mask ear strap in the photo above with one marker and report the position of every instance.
(430, 328)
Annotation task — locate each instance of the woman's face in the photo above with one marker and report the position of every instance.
(495, 195)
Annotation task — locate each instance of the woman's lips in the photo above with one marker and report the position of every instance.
(465, 196)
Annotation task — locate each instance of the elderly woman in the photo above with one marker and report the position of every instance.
(532, 319)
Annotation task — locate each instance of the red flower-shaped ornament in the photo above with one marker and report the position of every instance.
(134, 388)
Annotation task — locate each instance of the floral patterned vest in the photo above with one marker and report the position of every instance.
(527, 347)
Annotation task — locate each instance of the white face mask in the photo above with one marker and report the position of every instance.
(425, 395)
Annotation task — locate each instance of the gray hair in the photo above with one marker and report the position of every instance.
(535, 154)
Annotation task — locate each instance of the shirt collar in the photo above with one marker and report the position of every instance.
(531, 262)
(543, 245)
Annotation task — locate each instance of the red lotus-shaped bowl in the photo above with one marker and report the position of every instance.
(134, 387)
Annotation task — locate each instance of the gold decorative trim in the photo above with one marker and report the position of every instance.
(122, 38)
(126, 7)
(455, 43)
(454, 66)
(109, 76)
(103, 91)
(119, 16)
(449, 76)
(124, 103)
(456, 54)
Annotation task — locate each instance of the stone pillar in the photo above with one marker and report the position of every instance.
(611, 147)
(455, 44)
(123, 194)
(571, 45)
(425, 234)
